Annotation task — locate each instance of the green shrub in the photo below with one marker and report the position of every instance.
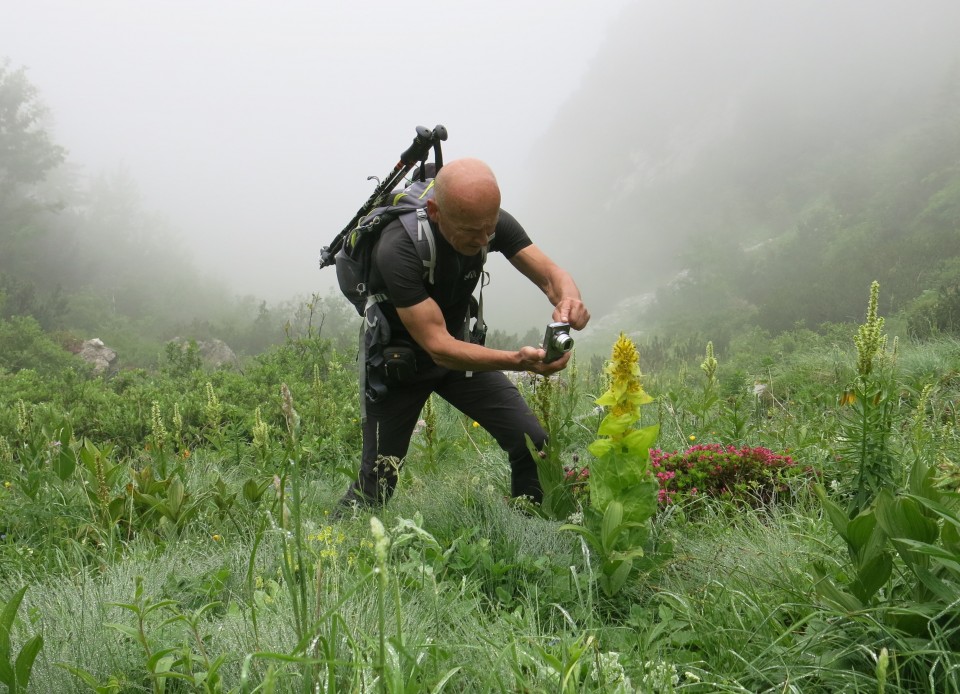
(24, 345)
(751, 474)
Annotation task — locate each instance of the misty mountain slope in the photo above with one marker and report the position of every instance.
(84, 258)
(817, 135)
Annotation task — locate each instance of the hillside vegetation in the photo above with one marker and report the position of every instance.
(758, 165)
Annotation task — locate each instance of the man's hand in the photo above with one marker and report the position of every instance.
(571, 310)
(531, 359)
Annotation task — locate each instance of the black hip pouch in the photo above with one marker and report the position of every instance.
(399, 364)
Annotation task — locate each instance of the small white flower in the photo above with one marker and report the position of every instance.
(381, 543)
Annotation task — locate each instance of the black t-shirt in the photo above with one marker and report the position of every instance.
(399, 273)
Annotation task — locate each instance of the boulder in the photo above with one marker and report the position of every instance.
(213, 353)
(216, 353)
(94, 352)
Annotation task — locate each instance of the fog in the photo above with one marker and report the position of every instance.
(621, 132)
(253, 126)
(699, 119)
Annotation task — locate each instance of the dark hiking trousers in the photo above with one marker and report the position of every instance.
(488, 397)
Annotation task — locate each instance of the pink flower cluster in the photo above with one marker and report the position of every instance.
(752, 474)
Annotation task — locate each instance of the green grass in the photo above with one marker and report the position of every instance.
(475, 593)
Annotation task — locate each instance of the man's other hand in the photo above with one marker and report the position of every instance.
(531, 359)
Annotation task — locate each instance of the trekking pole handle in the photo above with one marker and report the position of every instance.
(422, 143)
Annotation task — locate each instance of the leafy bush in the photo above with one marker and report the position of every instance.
(937, 310)
(750, 474)
(24, 345)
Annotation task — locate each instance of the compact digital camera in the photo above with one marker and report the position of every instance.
(557, 341)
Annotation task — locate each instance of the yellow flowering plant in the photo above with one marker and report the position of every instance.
(623, 490)
(866, 414)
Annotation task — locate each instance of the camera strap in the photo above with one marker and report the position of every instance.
(480, 327)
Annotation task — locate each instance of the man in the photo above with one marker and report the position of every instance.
(466, 219)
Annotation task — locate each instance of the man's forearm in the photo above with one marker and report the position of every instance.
(561, 286)
(465, 356)
(457, 355)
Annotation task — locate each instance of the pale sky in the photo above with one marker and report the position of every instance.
(251, 126)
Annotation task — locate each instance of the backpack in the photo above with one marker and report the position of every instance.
(354, 260)
(384, 361)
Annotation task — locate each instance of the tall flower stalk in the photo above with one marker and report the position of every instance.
(870, 339)
(623, 490)
(866, 419)
(158, 437)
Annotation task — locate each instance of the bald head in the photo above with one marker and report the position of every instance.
(466, 204)
(467, 186)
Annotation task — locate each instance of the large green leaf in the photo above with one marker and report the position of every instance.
(613, 425)
(923, 480)
(640, 441)
(903, 518)
(640, 501)
(612, 525)
(948, 558)
(615, 473)
(28, 654)
(865, 538)
(600, 447)
(838, 519)
(176, 493)
(612, 582)
(826, 589)
(65, 462)
(940, 509)
(872, 576)
(950, 538)
(946, 591)
(7, 615)
(860, 530)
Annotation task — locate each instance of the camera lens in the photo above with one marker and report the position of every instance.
(563, 342)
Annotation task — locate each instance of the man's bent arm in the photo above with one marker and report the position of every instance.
(556, 283)
(426, 325)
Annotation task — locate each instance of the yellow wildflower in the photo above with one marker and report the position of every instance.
(624, 395)
(870, 340)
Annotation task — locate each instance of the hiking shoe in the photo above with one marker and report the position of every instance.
(348, 506)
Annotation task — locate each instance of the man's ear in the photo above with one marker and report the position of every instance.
(432, 210)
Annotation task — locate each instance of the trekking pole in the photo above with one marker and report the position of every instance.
(418, 151)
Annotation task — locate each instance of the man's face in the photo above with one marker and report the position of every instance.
(467, 233)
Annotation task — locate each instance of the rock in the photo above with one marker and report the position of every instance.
(216, 353)
(213, 353)
(96, 353)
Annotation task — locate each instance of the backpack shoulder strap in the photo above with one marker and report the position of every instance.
(418, 226)
(421, 233)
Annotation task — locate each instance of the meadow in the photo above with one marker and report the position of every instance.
(779, 517)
